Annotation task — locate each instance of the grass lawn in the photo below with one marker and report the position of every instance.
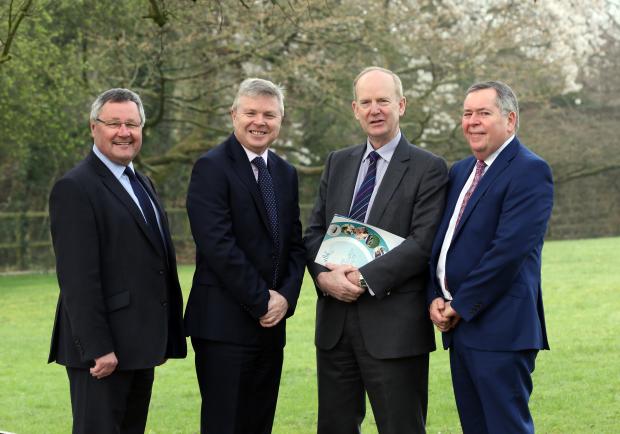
(576, 385)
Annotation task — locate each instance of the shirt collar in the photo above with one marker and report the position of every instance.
(491, 158)
(386, 151)
(116, 169)
(252, 155)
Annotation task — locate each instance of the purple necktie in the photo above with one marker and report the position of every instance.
(480, 165)
(362, 198)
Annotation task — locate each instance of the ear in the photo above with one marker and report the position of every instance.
(511, 122)
(354, 107)
(92, 129)
(402, 105)
(233, 115)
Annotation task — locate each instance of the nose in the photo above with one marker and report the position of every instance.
(374, 107)
(474, 119)
(123, 130)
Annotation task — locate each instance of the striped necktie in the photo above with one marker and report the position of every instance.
(362, 198)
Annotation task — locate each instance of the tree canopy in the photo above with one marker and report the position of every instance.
(187, 57)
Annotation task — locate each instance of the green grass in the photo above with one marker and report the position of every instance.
(576, 385)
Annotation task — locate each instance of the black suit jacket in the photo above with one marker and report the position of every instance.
(234, 248)
(119, 290)
(409, 203)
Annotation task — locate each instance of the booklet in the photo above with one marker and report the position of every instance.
(349, 241)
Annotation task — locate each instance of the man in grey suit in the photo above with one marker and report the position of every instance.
(372, 329)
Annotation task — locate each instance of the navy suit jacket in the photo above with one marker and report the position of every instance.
(493, 265)
(234, 248)
(119, 289)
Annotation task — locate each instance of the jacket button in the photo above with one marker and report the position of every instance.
(161, 272)
(164, 303)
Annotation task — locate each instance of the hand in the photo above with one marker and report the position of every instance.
(442, 314)
(354, 277)
(336, 284)
(276, 309)
(436, 311)
(451, 314)
(104, 366)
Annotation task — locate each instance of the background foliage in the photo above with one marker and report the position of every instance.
(187, 57)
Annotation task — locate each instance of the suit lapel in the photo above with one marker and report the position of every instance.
(243, 169)
(500, 164)
(391, 179)
(347, 179)
(121, 194)
(160, 210)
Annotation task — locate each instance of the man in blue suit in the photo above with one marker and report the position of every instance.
(244, 214)
(485, 288)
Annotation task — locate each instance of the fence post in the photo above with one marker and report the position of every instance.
(22, 242)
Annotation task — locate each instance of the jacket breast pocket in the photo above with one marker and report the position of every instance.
(117, 301)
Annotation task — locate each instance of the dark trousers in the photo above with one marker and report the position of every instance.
(118, 403)
(239, 386)
(492, 389)
(397, 388)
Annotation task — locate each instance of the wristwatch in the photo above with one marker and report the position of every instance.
(362, 283)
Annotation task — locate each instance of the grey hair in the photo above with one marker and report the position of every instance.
(253, 87)
(397, 83)
(506, 99)
(117, 95)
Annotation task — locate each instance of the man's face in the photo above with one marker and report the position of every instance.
(122, 144)
(257, 121)
(377, 107)
(484, 126)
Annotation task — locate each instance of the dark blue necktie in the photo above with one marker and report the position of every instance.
(144, 201)
(362, 198)
(265, 184)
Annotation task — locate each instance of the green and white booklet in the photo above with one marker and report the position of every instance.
(349, 241)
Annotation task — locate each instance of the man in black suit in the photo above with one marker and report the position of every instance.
(244, 214)
(372, 330)
(119, 312)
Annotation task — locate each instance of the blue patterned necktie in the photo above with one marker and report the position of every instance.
(145, 203)
(265, 184)
(362, 198)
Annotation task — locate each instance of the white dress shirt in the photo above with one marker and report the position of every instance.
(447, 240)
(118, 170)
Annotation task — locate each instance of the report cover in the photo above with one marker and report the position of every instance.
(349, 241)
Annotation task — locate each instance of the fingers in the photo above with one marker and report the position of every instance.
(276, 309)
(442, 315)
(343, 268)
(104, 366)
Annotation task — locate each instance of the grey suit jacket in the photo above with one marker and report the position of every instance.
(409, 203)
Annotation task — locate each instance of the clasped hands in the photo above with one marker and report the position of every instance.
(442, 314)
(341, 282)
(276, 309)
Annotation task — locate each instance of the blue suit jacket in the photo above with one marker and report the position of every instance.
(234, 248)
(493, 264)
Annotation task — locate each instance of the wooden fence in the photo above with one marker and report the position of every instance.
(25, 241)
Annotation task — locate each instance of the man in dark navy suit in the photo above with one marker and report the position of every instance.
(120, 307)
(485, 288)
(244, 214)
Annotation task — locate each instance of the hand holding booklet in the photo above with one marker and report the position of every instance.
(349, 241)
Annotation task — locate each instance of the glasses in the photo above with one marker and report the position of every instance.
(116, 125)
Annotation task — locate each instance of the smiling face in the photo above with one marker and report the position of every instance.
(378, 107)
(484, 125)
(257, 121)
(123, 144)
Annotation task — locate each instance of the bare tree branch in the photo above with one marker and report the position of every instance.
(13, 24)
